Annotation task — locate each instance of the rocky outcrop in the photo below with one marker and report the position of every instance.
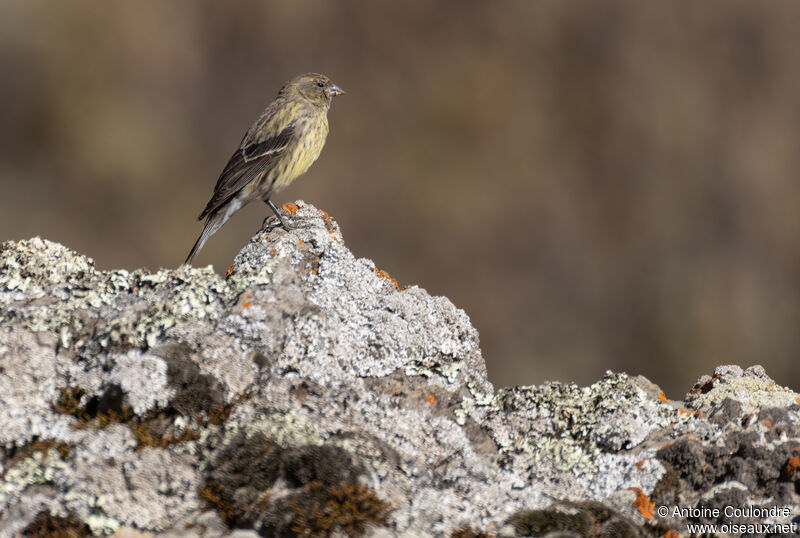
(306, 393)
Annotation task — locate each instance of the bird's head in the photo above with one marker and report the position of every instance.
(314, 87)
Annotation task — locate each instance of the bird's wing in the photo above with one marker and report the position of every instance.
(256, 154)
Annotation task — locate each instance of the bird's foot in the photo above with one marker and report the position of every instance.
(269, 224)
(287, 225)
(273, 221)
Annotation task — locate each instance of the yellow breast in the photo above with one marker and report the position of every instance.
(312, 134)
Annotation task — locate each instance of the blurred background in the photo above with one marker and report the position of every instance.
(599, 185)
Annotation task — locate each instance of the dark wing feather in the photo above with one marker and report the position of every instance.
(246, 163)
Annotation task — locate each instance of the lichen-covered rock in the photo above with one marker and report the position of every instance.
(307, 394)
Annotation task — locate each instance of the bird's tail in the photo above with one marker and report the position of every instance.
(213, 223)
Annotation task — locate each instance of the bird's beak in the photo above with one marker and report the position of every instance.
(335, 90)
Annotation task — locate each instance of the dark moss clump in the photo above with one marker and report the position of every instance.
(348, 507)
(109, 407)
(99, 411)
(667, 492)
(69, 402)
(586, 518)
(693, 467)
(239, 476)
(328, 465)
(46, 525)
(155, 429)
(324, 496)
(466, 532)
(198, 395)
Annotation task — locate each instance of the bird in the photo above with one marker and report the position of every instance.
(279, 147)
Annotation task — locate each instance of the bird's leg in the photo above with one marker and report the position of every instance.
(285, 224)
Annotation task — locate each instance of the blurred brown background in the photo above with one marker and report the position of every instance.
(600, 185)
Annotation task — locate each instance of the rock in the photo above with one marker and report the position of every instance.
(307, 393)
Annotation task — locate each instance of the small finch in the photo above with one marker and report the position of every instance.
(280, 146)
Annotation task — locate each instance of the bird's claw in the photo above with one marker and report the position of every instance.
(273, 221)
(265, 225)
(286, 225)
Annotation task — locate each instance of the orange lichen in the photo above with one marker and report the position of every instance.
(639, 464)
(792, 466)
(643, 503)
(383, 274)
(291, 207)
(328, 222)
(767, 423)
(672, 534)
(698, 413)
(246, 304)
(431, 399)
(684, 412)
(230, 271)
(335, 237)
(662, 396)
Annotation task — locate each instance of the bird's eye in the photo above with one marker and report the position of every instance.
(321, 84)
